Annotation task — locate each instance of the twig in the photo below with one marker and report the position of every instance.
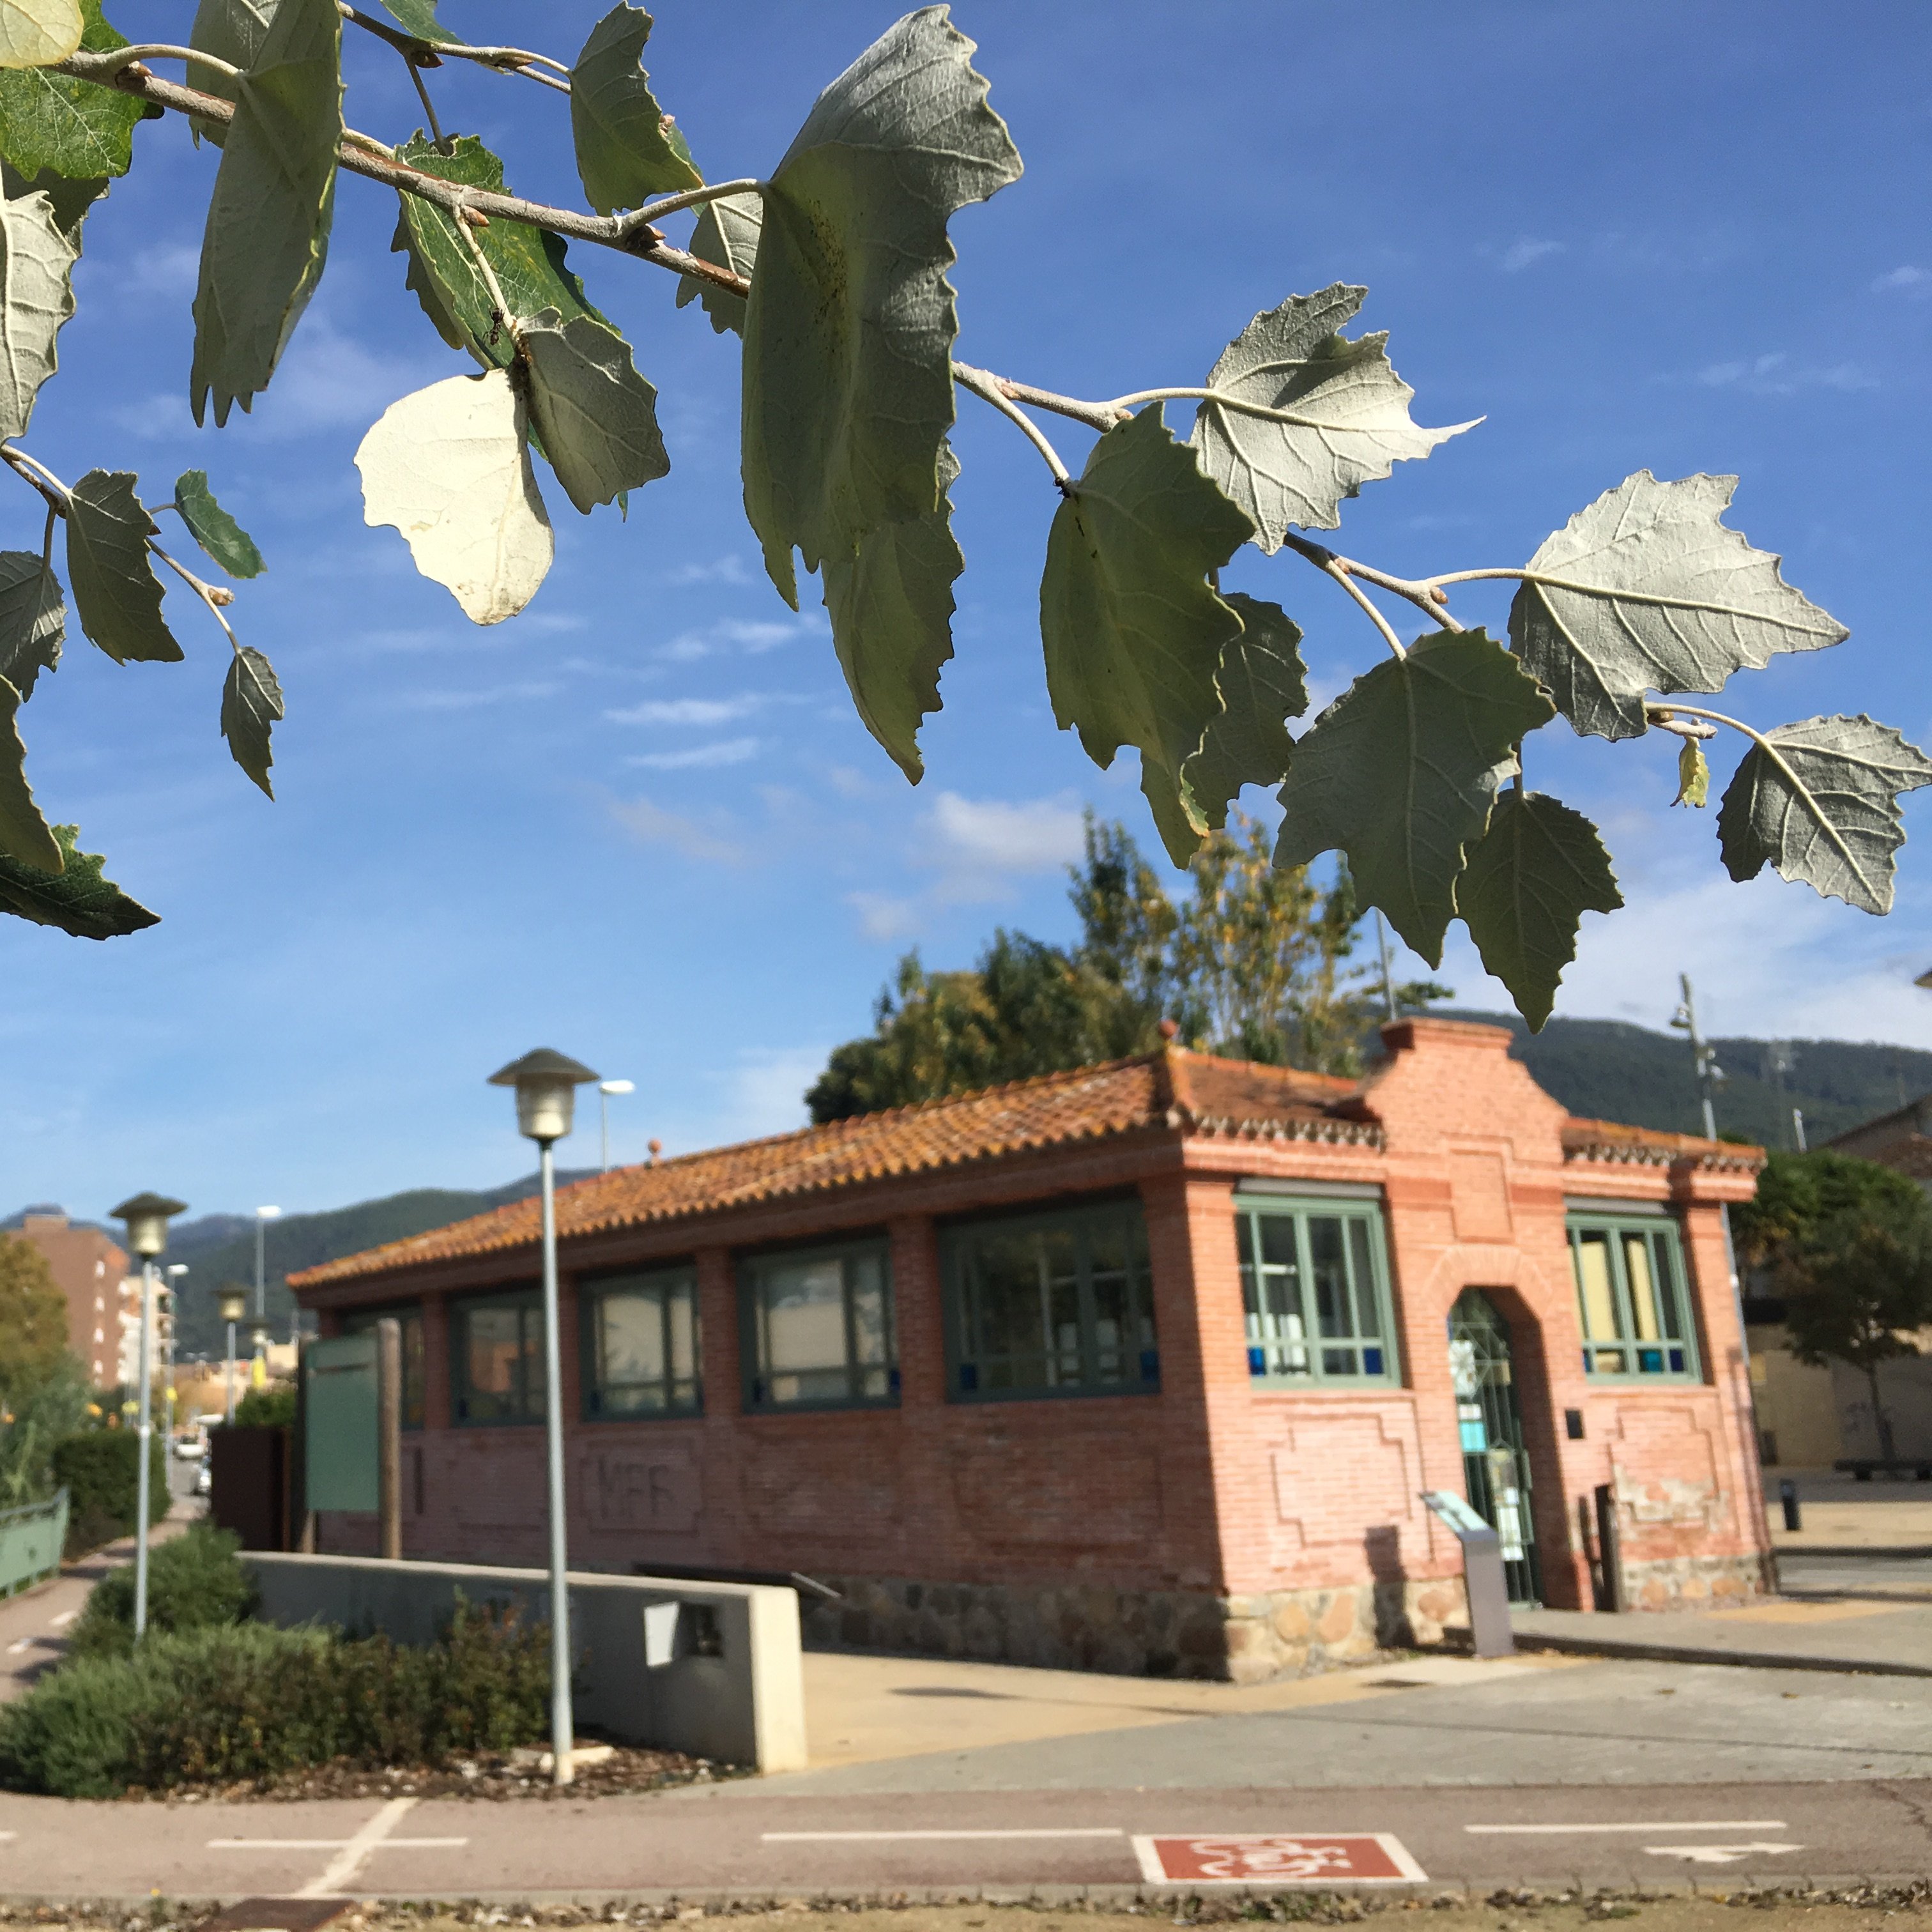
(1095, 416)
(1661, 718)
(436, 133)
(432, 53)
(691, 198)
(120, 57)
(989, 388)
(621, 233)
(1343, 570)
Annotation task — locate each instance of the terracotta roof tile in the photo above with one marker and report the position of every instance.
(1173, 1088)
(1908, 1154)
(1648, 1146)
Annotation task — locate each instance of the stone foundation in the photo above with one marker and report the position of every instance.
(1244, 1639)
(1695, 1582)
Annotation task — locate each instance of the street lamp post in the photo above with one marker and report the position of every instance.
(234, 1306)
(175, 1270)
(605, 1088)
(546, 1084)
(146, 1217)
(263, 1216)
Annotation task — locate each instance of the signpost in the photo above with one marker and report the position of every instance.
(1482, 1576)
(351, 1411)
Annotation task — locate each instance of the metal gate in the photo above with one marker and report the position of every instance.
(1496, 1469)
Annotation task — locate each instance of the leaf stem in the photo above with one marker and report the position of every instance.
(1095, 416)
(498, 300)
(119, 57)
(988, 389)
(432, 53)
(1345, 570)
(691, 198)
(429, 106)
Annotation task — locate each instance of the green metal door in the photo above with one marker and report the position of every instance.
(1495, 1469)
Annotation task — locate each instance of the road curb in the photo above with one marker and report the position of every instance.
(1638, 1651)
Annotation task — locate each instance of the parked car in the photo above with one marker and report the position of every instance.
(190, 1445)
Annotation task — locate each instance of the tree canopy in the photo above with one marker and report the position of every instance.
(1254, 963)
(833, 270)
(33, 1318)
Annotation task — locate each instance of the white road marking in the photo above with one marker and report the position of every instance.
(1716, 1854)
(849, 1837)
(351, 1853)
(14, 1649)
(1660, 1825)
(65, 1617)
(320, 1844)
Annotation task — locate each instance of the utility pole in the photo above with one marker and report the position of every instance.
(1798, 1128)
(1388, 978)
(1704, 1057)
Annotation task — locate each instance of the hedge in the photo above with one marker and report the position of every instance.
(100, 1469)
(194, 1582)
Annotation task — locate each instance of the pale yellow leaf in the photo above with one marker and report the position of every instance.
(35, 33)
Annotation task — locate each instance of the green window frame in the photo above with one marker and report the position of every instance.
(408, 1315)
(641, 1353)
(497, 1359)
(1633, 1298)
(1053, 1302)
(816, 1328)
(1315, 1291)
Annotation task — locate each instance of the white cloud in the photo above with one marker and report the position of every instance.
(751, 637)
(468, 700)
(723, 570)
(651, 824)
(1914, 281)
(992, 836)
(1522, 252)
(764, 1093)
(1778, 375)
(687, 710)
(883, 917)
(728, 751)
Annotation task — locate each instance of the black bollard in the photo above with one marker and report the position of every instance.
(1787, 1494)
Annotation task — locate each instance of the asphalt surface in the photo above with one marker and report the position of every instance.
(755, 1842)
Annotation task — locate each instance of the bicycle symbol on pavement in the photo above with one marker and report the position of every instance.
(1277, 1857)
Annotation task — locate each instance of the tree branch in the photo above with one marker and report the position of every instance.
(621, 233)
(989, 388)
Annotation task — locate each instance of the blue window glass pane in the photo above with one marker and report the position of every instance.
(1150, 1365)
(969, 1376)
(1257, 1361)
(1677, 1361)
(1372, 1361)
(1650, 1361)
(1587, 1364)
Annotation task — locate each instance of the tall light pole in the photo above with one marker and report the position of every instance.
(263, 1216)
(175, 1270)
(605, 1088)
(546, 1083)
(1710, 1075)
(146, 1217)
(234, 1307)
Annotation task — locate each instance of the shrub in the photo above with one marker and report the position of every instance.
(194, 1582)
(266, 1408)
(246, 1701)
(100, 1469)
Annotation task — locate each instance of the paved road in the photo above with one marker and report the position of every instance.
(759, 1842)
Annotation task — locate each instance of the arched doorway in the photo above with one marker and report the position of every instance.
(1496, 1469)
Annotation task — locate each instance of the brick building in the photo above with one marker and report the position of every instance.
(1139, 1367)
(104, 1302)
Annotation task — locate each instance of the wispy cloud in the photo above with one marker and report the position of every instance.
(1909, 280)
(748, 637)
(1526, 251)
(470, 700)
(688, 710)
(979, 845)
(882, 917)
(651, 824)
(728, 751)
(1778, 375)
(723, 570)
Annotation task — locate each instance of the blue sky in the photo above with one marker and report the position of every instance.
(641, 822)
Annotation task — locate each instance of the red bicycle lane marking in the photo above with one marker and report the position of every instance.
(1277, 1857)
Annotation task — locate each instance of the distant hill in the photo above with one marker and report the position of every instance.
(220, 1249)
(1610, 1070)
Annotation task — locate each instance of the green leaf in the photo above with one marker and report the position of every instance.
(418, 17)
(214, 528)
(71, 200)
(1693, 775)
(1401, 771)
(267, 236)
(1818, 801)
(75, 128)
(450, 467)
(528, 263)
(1352, 423)
(1134, 632)
(24, 836)
(1263, 682)
(848, 334)
(116, 594)
(625, 153)
(77, 898)
(33, 32)
(36, 260)
(1529, 880)
(1647, 590)
(891, 605)
(231, 30)
(251, 702)
(597, 417)
(727, 234)
(33, 619)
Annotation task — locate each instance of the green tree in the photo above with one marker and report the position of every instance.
(33, 1318)
(1847, 1245)
(833, 269)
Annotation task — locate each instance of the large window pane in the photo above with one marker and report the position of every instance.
(642, 1353)
(1321, 1319)
(1630, 1298)
(1052, 1303)
(498, 1346)
(359, 1321)
(821, 1327)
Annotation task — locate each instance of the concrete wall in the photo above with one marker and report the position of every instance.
(1797, 1405)
(710, 1669)
(1905, 1387)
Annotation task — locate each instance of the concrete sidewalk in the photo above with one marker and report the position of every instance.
(1841, 1513)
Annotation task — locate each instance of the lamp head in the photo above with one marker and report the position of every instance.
(234, 1305)
(147, 1217)
(268, 1214)
(617, 1086)
(546, 1084)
